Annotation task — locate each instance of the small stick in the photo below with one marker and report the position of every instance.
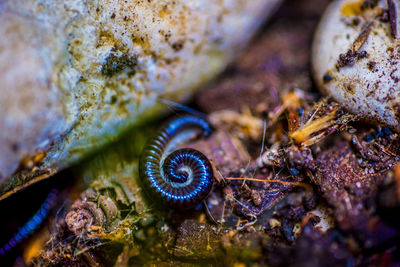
(304, 185)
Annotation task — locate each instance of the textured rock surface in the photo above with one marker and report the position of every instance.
(76, 73)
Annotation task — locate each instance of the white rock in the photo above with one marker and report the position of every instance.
(369, 86)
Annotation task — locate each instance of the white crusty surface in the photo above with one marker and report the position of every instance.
(30, 109)
(370, 87)
(75, 73)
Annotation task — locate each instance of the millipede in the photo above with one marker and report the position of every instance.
(30, 226)
(178, 178)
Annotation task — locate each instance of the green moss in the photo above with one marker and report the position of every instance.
(117, 63)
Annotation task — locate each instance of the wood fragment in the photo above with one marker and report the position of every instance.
(392, 6)
(362, 38)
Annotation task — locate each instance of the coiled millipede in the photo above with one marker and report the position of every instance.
(180, 178)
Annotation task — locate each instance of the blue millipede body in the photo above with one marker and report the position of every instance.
(32, 224)
(179, 178)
